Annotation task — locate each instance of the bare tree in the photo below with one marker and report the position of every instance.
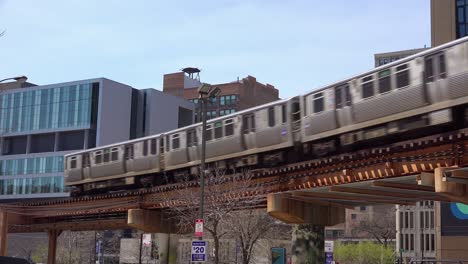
(224, 196)
(380, 225)
(248, 227)
(2, 33)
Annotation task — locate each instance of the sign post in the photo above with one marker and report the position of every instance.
(329, 252)
(199, 228)
(198, 251)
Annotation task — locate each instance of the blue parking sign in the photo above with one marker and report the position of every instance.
(198, 251)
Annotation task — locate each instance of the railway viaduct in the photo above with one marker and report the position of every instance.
(316, 192)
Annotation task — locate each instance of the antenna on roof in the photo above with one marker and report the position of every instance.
(192, 72)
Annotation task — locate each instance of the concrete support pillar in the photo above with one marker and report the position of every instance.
(3, 232)
(308, 245)
(311, 216)
(173, 243)
(161, 241)
(53, 234)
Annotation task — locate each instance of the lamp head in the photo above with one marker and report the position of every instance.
(204, 89)
(214, 92)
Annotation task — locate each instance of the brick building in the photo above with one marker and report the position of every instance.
(235, 96)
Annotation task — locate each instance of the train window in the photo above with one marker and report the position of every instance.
(228, 128)
(271, 116)
(209, 132)
(218, 131)
(248, 123)
(98, 157)
(283, 113)
(367, 87)
(384, 81)
(128, 153)
(318, 102)
(175, 141)
(153, 146)
(191, 138)
(167, 143)
(114, 154)
(342, 96)
(106, 156)
(402, 76)
(145, 147)
(73, 163)
(442, 70)
(85, 158)
(429, 70)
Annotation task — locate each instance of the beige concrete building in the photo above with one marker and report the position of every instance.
(449, 20)
(387, 57)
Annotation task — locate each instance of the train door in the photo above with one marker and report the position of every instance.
(295, 116)
(162, 164)
(192, 144)
(248, 130)
(434, 77)
(343, 105)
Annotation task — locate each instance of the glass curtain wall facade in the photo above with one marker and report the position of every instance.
(462, 18)
(53, 108)
(34, 111)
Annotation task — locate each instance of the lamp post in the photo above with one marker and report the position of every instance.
(20, 79)
(205, 92)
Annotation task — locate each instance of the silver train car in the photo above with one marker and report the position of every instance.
(412, 96)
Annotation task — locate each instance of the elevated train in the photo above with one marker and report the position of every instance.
(413, 96)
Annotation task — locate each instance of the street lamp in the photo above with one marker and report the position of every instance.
(206, 92)
(20, 79)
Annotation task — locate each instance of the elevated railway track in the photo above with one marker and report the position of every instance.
(401, 173)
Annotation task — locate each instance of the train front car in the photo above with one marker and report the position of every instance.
(414, 96)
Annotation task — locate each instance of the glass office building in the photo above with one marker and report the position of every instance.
(40, 124)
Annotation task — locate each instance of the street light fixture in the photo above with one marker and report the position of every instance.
(206, 92)
(20, 79)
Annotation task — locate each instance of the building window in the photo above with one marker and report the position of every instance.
(421, 243)
(411, 242)
(427, 242)
(227, 99)
(226, 112)
(210, 114)
(362, 208)
(432, 242)
(432, 219)
(462, 18)
(406, 242)
(353, 216)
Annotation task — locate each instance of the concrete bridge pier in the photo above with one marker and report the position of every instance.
(3, 232)
(311, 218)
(52, 246)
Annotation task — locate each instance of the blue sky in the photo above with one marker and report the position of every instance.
(295, 45)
